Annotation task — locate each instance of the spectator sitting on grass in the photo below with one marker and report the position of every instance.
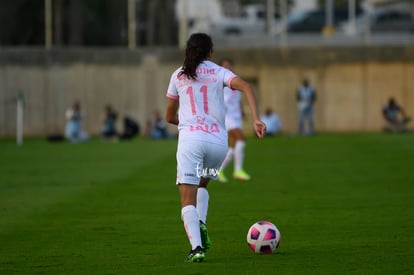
(108, 121)
(395, 118)
(159, 127)
(73, 130)
(272, 121)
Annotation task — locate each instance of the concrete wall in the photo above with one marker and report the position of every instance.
(352, 84)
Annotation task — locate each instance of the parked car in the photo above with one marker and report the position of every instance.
(381, 21)
(315, 20)
(251, 21)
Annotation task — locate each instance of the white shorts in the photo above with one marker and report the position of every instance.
(197, 159)
(233, 123)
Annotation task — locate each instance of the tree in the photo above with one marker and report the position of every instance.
(87, 22)
(22, 22)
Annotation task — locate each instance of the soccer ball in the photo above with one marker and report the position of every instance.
(263, 237)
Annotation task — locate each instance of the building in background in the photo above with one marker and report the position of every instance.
(371, 5)
(304, 5)
(197, 15)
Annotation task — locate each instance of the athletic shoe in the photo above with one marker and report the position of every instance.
(221, 177)
(241, 175)
(195, 256)
(205, 240)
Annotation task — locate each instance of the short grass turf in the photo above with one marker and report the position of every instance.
(343, 203)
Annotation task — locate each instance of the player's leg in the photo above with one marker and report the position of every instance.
(213, 160)
(239, 146)
(202, 208)
(229, 157)
(189, 155)
(231, 123)
(189, 215)
(202, 199)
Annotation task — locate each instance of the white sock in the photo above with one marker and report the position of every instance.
(202, 203)
(192, 225)
(239, 155)
(227, 159)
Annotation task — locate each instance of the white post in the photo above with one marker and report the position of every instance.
(19, 119)
(329, 13)
(270, 17)
(351, 16)
(283, 14)
(182, 24)
(329, 20)
(131, 25)
(367, 26)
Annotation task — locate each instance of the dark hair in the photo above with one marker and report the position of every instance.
(199, 46)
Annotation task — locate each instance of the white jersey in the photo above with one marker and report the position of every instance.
(306, 97)
(201, 112)
(232, 99)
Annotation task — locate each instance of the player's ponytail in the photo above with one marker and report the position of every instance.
(199, 46)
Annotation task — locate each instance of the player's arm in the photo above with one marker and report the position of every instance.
(171, 114)
(239, 84)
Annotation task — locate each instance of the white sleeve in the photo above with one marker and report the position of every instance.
(172, 89)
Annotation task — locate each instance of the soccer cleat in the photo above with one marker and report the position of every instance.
(195, 256)
(221, 177)
(205, 240)
(241, 175)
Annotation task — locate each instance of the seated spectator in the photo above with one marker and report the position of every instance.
(73, 130)
(395, 118)
(272, 121)
(131, 128)
(159, 127)
(108, 121)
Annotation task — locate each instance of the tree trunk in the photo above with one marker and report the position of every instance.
(75, 22)
(58, 22)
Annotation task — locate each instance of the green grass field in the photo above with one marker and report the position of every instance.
(344, 203)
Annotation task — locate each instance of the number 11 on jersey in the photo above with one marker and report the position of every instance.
(203, 90)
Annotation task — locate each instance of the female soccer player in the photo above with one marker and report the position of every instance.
(234, 116)
(195, 91)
